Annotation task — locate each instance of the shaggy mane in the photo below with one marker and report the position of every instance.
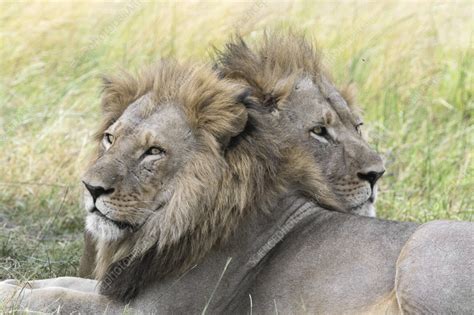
(209, 103)
(273, 65)
(239, 168)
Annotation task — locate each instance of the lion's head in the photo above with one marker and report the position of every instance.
(180, 162)
(160, 127)
(285, 76)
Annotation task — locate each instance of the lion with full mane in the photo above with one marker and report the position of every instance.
(202, 199)
(218, 183)
(218, 174)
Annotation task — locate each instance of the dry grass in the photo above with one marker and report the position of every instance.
(412, 63)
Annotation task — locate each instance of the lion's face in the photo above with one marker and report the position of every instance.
(132, 178)
(332, 133)
(157, 190)
(284, 72)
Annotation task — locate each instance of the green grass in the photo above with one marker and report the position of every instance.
(412, 64)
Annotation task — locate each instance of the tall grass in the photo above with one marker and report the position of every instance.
(412, 64)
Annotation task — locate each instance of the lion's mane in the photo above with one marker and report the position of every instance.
(239, 169)
(273, 64)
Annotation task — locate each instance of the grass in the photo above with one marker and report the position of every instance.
(412, 64)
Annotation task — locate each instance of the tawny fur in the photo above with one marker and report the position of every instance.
(232, 174)
(285, 77)
(273, 66)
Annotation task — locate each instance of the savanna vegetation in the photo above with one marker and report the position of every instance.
(412, 63)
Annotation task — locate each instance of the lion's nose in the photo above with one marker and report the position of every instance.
(371, 176)
(97, 191)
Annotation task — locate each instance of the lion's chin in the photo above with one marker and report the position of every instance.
(104, 229)
(367, 209)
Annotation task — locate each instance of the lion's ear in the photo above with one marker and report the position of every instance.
(276, 98)
(241, 102)
(246, 98)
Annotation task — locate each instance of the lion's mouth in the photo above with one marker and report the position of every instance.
(361, 205)
(120, 224)
(369, 201)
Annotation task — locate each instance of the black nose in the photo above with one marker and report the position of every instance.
(97, 191)
(372, 177)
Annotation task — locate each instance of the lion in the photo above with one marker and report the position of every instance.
(285, 75)
(259, 232)
(355, 183)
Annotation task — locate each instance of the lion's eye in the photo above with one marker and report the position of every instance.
(108, 138)
(154, 151)
(320, 131)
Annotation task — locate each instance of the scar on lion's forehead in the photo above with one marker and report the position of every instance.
(141, 108)
(130, 119)
(338, 103)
